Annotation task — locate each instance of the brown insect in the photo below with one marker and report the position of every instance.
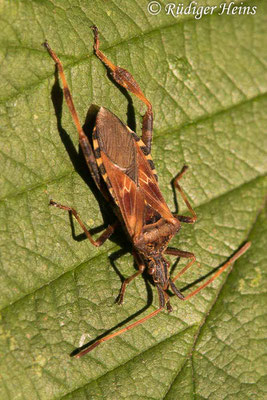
(122, 168)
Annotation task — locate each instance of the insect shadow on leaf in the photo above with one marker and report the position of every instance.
(80, 166)
(79, 162)
(113, 257)
(122, 168)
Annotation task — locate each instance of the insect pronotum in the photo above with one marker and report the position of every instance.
(122, 168)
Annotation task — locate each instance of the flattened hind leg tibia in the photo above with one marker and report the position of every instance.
(126, 80)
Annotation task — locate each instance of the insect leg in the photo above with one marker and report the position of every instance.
(141, 268)
(102, 238)
(182, 218)
(238, 254)
(83, 140)
(142, 320)
(112, 335)
(125, 79)
(183, 254)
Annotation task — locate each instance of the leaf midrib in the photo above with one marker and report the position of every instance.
(106, 251)
(192, 348)
(157, 135)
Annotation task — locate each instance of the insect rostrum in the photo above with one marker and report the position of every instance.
(123, 170)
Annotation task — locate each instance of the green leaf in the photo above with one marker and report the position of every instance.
(206, 79)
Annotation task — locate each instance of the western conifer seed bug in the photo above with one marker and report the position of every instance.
(122, 168)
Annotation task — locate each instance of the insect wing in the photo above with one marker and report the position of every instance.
(113, 138)
(127, 195)
(118, 165)
(127, 172)
(149, 185)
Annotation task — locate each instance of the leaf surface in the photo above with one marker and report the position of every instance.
(206, 79)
